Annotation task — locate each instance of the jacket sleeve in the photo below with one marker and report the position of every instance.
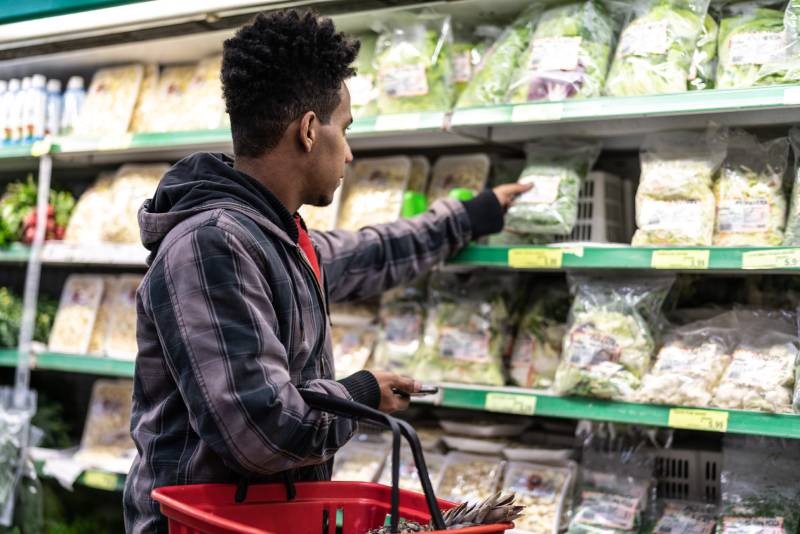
(218, 328)
(376, 258)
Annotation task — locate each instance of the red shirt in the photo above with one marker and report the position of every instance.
(304, 241)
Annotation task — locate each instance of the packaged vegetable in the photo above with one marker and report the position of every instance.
(202, 107)
(610, 336)
(467, 51)
(107, 430)
(121, 334)
(420, 169)
(363, 86)
(402, 322)
(556, 168)
(656, 48)
(689, 366)
(469, 172)
(538, 344)
(792, 236)
(409, 478)
(751, 207)
(600, 512)
(166, 114)
(88, 218)
(412, 58)
(702, 73)
(352, 347)
(757, 45)
(373, 192)
(489, 84)
(361, 462)
(686, 518)
(147, 99)
(322, 218)
(467, 330)
(77, 311)
(675, 203)
(97, 343)
(568, 55)
(109, 103)
(132, 185)
(543, 491)
(467, 477)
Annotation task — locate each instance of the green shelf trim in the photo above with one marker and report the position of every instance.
(37, 9)
(73, 363)
(15, 253)
(624, 257)
(404, 122)
(690, 102)
(762, 424)
(8, 357)
(15, 151)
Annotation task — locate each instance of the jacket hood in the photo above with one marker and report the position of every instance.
(203, 182)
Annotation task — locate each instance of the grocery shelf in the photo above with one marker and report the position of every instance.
(15, 253)
(35, 9)
(770, 259)
(102, 254)
(525, 402)
(73, 363)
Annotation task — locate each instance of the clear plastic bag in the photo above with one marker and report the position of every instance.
(611, 335)
(469, 172)
(97, 343)
(467, 329)
(132, 185)
(758, 44)
(363, 86)
(412, 59)
(360, 462)
(121, 331)
(557, 169)
(14, 434)
(418, 179)
(680, 517)
(751, 206)
(402, 323)
(203, 107)
(77, 312)
(675, 203)
(543, 490)
(568, 55)
(106, 434)
(792, 236)
(352, 347)
(467, 477)
(109, 103)
(373, 192)
(656, 48)
(468, 52)
(409, 478)
(702, 73)
(166, 113)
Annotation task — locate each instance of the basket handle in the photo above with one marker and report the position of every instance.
(347, 408)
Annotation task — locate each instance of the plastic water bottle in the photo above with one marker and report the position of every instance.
(7, 106)
(36, 108)
(53, 113)
(3, 114)
(73, 101)
(18, 111)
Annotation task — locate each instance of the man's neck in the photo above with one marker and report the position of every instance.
(275, 175)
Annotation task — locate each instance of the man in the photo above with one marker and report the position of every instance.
(233, 312)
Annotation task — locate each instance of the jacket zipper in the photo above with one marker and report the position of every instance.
(304, 260)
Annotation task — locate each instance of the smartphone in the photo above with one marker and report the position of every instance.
(423, 391)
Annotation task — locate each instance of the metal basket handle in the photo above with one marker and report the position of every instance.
(346, 408)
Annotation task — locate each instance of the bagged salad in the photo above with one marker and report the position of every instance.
(556, 168)
(468, 50)
(656, 48)
(543, 490)
(689, 366)
(467, 330)
(373, 192)
(363, 86)
(611, 335)
(491, 79)
(402, 323)
(751, 207)
(758, 44)
(702, 73)
(680, 517)
(792, 236)
(568, 55)
(469, 172)
(468, 477)
(412, 58)
(537, 347)
(675, 202)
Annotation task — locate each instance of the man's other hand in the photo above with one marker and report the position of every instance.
(508, 192)
(396, 391)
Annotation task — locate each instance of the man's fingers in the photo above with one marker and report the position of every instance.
(401, 403)
(405, 384)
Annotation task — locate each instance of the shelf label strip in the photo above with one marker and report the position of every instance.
(771, 259)
(535, 258)
(691, 419)
(680, 259)
(100, 480)
(510, 403)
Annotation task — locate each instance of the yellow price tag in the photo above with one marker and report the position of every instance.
(698, 419)
(510, 403)
(100, 480)
(40, 148)
(771, 259)
(120, 142)
(535, 258)
(680, 259)
(537, 112)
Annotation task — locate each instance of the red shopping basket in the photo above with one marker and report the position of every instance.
(312, 507)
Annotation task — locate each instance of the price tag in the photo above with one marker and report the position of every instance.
(120, 142)
(680, 259)
(510, 403)
(698, 419)
(535, 258)
(537, 112)
(791, 96)
(771, 259)
(40, 148)
(391, 123)
(100, 480)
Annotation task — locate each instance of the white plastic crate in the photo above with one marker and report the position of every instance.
(601, 211)
(687, 474)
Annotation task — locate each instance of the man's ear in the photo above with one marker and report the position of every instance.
(307, 133)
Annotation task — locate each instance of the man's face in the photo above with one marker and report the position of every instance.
(332, 154)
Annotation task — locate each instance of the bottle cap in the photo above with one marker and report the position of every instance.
(38, 81)
(53, 86)
(3, 86)
(26, 83)
(75, 82)
(13, 84)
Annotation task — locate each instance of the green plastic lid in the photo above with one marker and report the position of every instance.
(461, 193)
(414, 203)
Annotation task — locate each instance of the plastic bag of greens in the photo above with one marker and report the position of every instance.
(402, 321)
(675, 201)
(413, 63)
(751, 207)
(537, 347)
(489, 84)
(656, 48)
(610, 336)
(761, 374)
(467, 330)
(690, 364)
(702, 73)
(758, 44)
(568, 55)
(556, 168)
(792, 237)
(468, 50)
(14, 434)
(686, 517)
(363, 86)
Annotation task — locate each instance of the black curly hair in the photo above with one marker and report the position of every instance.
(277, 68)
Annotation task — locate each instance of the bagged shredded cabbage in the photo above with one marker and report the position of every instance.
(363, 86)
(413, 64)
(402, 321)
(556, 168)
(792, 237)
(751, 207)
(489, 85)
(568, 55)
(704, 61)
(758, 44)
(610, 336)
(467, 331)
(656, 48)
(675, 202)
